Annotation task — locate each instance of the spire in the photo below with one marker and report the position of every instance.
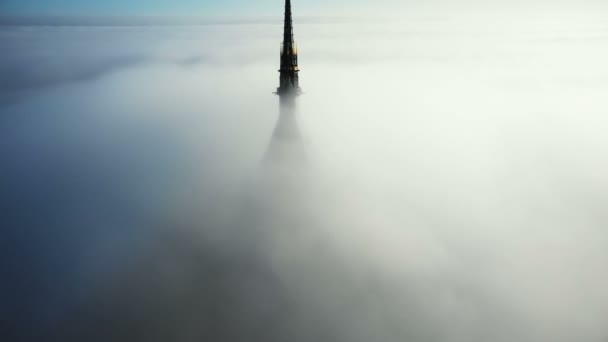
(288, 28)
(289, 83)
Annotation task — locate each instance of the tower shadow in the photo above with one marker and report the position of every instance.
(286, 148)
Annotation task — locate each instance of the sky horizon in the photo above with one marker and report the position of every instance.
(271, 7)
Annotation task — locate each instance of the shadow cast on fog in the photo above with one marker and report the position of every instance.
(286, 148)
(285, 259)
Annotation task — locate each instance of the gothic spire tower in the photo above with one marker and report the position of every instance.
(289, 84)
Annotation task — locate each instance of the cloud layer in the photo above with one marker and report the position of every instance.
(441, 179)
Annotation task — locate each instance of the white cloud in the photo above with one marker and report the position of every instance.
(453, 187)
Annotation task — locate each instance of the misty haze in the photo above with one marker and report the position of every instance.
(442, 177)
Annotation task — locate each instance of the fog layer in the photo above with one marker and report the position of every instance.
(442, 178)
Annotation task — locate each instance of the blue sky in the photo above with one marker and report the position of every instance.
(115, 7)
(118, 6)
(271, 7)
(157, 7)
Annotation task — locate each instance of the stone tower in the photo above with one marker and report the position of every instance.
(289, 83)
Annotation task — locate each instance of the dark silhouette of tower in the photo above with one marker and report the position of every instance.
(286, 144)
(289, 84)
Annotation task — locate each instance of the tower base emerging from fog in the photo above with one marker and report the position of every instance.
(288, 91)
